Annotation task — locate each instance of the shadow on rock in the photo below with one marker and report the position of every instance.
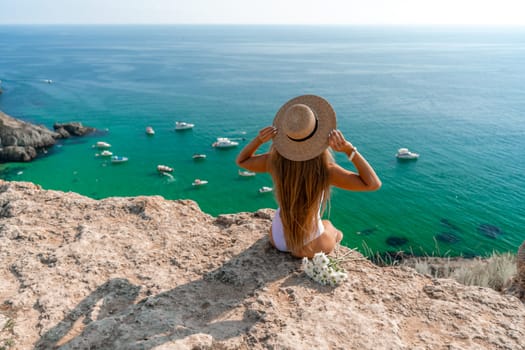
(219, 305)
(110, 298)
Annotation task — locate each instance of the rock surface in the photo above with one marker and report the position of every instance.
(521, 266)
(72, 128)
(20, 141)
(149, 273)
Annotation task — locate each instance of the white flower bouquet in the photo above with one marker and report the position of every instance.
(324, 269)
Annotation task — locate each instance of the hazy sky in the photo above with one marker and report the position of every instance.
(465, 12)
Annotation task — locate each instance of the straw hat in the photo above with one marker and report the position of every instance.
(303, 125)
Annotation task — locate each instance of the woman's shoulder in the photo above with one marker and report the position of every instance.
(340, 177)
(333, 167)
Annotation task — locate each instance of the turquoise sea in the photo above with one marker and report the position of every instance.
(454, 95)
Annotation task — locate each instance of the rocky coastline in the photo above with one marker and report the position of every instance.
(149, 273)
(21, 141)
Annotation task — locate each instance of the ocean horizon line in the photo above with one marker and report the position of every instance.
(298, 25)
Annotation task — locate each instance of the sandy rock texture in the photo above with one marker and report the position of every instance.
(149, 273)
(521, 267)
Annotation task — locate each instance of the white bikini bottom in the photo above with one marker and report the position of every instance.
(278, 232)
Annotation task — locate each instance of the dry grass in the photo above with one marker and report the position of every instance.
(496, 271)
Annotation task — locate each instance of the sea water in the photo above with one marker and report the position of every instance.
(454, 95)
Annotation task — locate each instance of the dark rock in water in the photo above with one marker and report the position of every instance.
(73, 128)
(449, 225)
(17, 154)
(396, 241)
(490, 230)
(63, 133)
(447, 237)
(21, 141)
(367, 231)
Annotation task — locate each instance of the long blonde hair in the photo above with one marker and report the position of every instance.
(302, 190)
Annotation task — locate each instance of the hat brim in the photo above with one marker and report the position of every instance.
(318, 142)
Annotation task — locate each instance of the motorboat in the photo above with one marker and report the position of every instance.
(183, 126)
(150, 131)
(118, 159)
(164, 169)
(102, 144)
(199, 182)
(246, 173)
(199, 156)
(404, 153)
(265, 189)
(224, 142)
(106, 153)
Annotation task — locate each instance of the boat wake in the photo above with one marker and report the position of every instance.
(169, 176)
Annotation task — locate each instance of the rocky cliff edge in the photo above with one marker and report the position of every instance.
(150, 273)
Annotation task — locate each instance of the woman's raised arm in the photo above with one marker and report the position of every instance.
(258, 163)
(364, 180)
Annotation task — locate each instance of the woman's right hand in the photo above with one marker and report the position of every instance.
(337, 141)
(266, 134)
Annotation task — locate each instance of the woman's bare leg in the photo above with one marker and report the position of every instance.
(331, 230)
(326, 242)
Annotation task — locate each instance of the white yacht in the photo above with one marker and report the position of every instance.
(164, 169)
(224, 142)
(102, 144)
(183, 126)
(198, 156)
(404, 153)
(246, 173)
(118, 159)
(265, 189)
(150, 131)
(199, 182)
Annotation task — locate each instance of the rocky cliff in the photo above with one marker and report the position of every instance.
(20, 141)
(149, 273)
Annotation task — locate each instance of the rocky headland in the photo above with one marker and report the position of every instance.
(21, 141)
(149, 273)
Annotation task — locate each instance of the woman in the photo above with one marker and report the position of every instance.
(302, 169)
